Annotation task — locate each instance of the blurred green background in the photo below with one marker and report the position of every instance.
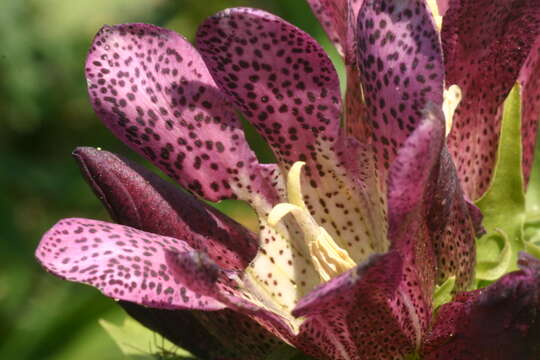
(44, 115)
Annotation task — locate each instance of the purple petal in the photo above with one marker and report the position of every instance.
(152, 89)
(336, 17)
(454, 224)
(430, 221)
(362, 314)
(137, 198)
(400, 68)
(410, 185)
(278, 76)
(499, 322)
(485, 66)
(123, 263)
(287, 87)
(529, 79)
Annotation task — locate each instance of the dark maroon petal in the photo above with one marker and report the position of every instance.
(424, 186)
(152, 89)
(122, 262)
(500, 322)
(453, 224)
(181, 327)
(401, 70)
(529, 79)
(137, 198)
(208, 334)
(362, 314)
(411, 182)
(485, 66)
(279, 77)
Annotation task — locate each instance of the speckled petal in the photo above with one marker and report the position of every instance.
(334, 17)
(411, 185)
(485, 66)
(499, 322)
(152, 89)
(122, 262)
(401, 70)
(361, 315)
(279, 77)
(529, 79)
(453, 224)
(259, 58)
(140, 199)
(287, 87)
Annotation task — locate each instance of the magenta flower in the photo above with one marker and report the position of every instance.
(358, 224)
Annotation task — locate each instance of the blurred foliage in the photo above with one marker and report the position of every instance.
(45, 114)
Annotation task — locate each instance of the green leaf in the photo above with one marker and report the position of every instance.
(443, 293)
(138, 342)
(495, 259)
(287, 352)
(503, 205)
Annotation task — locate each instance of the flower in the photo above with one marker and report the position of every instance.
(358, 225)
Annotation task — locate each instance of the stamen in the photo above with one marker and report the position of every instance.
(452, 98)
(328, 258)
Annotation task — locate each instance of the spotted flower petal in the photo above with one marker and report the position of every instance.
(285, 85)
(400, 68)
(152, 89)
(279, 77)
(122, 262)
(138, 198)
(529, 79)
(360, 315)
(499, 322)
(336, 16)
(486, 67)
(411, 179)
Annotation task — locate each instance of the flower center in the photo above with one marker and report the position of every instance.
(328, 258)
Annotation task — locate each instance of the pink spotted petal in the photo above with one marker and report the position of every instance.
(122, 262)
(337, 17)
(499, 322)
(152, 89)
(529, 79)
(454, 224)
(485, 66)
(135, 197)
(287, 87)
(361, 314)
(430, 219)
(411, 185)
(400, 68)
(278, 76)
(443, 6)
